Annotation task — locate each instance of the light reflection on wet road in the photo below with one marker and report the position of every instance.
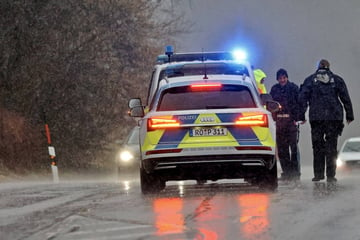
(217, 210)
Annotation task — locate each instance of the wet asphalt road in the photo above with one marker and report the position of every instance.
(111, 208)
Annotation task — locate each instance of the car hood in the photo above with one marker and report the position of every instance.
(349, 156)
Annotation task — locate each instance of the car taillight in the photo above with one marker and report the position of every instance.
(159, 123)
(253, 120)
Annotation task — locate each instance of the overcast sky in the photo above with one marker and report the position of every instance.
(286, 34)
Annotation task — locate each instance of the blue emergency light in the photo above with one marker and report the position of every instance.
(239, 55)
(169, 50)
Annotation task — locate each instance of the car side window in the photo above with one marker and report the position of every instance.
(149, 88)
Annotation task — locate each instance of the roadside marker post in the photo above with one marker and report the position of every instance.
(51, 149)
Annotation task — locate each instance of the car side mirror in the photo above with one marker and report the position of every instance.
(272, 106)
(137, 112)
(136, 108)
(134, 102)
(265, 97)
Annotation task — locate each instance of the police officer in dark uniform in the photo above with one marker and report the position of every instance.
(286, 93)
(327, 96)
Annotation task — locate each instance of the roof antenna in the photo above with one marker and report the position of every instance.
(203, 60)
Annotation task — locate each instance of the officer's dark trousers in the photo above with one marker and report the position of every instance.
(324, 136)
(286, 141)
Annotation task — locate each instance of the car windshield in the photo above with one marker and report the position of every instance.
(227, 96)
(134, 136)
(352, 147)
(204, 68)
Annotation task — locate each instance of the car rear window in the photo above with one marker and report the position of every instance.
(227, 96)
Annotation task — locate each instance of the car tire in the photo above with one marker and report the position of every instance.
(200, 181)
(150, 183)
(269, 180)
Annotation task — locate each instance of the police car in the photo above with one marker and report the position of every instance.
(206, 127)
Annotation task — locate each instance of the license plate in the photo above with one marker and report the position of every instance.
(199, 132)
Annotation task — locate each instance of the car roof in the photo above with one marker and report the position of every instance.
(353, 139)
(225, 79)
(179, 64)
(188, 80)
(171, 64)
(193, 59)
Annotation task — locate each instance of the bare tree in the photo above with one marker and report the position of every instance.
(77, 63)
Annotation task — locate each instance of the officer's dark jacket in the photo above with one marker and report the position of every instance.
(325, 93)
(287, 96)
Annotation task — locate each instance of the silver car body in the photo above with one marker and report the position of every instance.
(349, 154)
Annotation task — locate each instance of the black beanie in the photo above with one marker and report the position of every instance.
(281, 72)
(323, 63)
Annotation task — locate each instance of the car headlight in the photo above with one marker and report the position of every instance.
(126, 156)
(339, 162)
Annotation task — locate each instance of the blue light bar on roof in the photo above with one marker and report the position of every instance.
(195, 56)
